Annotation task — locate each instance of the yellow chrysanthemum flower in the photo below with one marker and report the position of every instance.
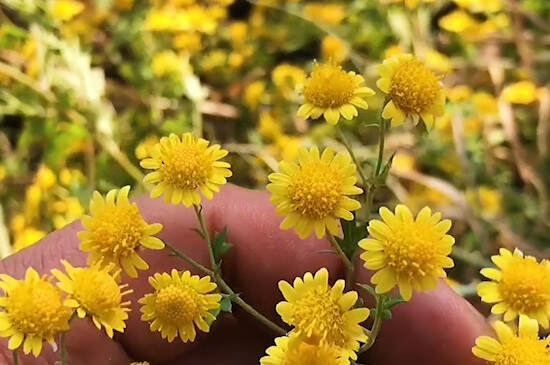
(116, 230)
(292, 351)
(520, 285)
(322, 314)
(313, 193)
(94, 291)
(413, 90)
(330, 91)
(32, 311)
(523, 92)
(523, 348)
(183, 167)
(180, 302)
(408, 252)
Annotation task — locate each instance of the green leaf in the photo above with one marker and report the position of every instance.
(220, 246)
(381, 179)
(226, 304)
(392, 302)
(369, 289)
(386, 314)
(353, 233)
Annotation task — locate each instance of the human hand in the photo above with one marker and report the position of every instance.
(438, 327)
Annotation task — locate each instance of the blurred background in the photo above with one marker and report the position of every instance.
(87, 87)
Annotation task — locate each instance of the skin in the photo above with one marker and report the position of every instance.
(438, 327)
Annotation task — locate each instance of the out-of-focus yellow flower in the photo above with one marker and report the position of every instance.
(333, 48)
(407, 252)
(32, 312)
(437, 61)
(238, 33)
(487, 200)
(486, 105)
(124, 5)
(287, 147)
(2, 172)
(331, 92)
(186, 167)
(413, 91)
(168, 62)
(331, 13)
(393, 50)
(522, 92)
(519, 286)
(254, 93)
(143, 149)
(458, 21)
(287, 78)
(235, 60)
(67, 211)
(514, 347)
(481, 6)
(421, 196)
(115, 231)
(28, 236)
(459, 93)
(180, 302)
(64, 10)
(33, 198)
(269, 127)
(215, 59)
(68, 177)
(188, 41)
(322, 314)
(472, 126)
(45, 178)
(313, 193)
(17, 223)
(33, 63)
(403, 162)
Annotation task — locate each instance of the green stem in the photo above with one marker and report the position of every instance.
(63, 350)
(349, 265)
(373, 187)
(214, 274)
(353, 157)
(206, 236)
(15, 357)
(376, 326)
(189, 260)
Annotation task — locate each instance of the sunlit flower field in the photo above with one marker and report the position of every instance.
(394, 149)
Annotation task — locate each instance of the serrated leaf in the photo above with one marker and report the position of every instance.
(353, 233)
(220, 246)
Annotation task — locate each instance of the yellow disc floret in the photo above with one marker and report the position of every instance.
(322, 314)
(32, 311)
(184, 167)
(95, 292)
(520, 285)
(179, 303)
(313, 193)
(412, 90)
(523, 348)
(331, 91)
(408, 252)
(116, 230)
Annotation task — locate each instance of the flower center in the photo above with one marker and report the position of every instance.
(523, 351)
(414, 88)
(319, 318)
(116, 230)
(315, 190)
(310, 354)
(525, 285)
(329, 86)
(178, 304)
(36, 308)
(412, 250)
(185, 167)
(96, 291)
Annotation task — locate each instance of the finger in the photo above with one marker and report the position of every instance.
(437, 327)
(262, 255)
